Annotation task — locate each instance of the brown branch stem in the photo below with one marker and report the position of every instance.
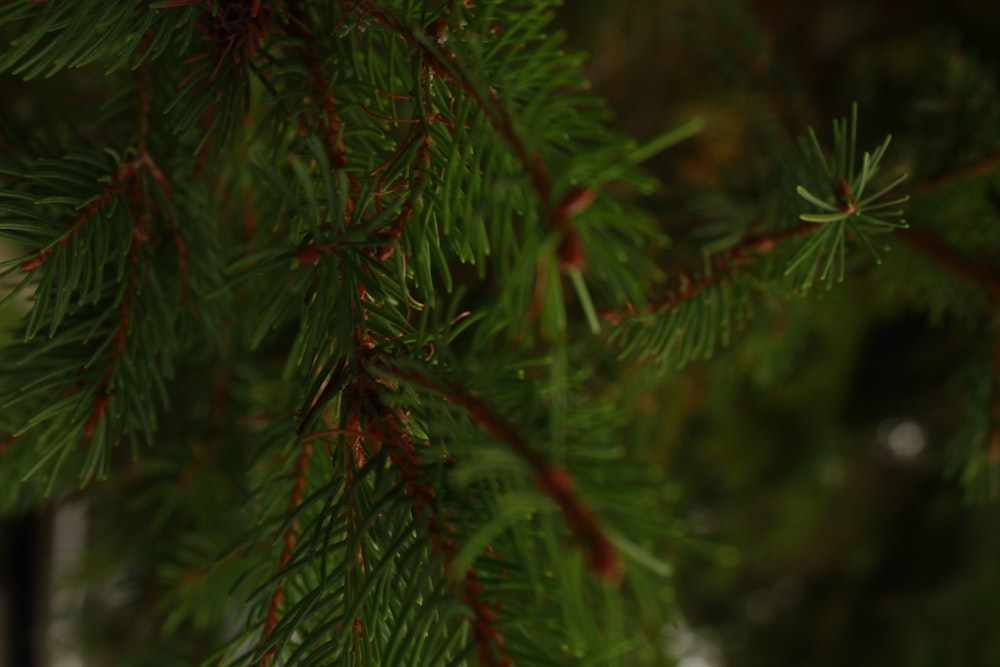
(725, 265)
(553, 480)
(389, 426)
(289, 539)
(441, 63)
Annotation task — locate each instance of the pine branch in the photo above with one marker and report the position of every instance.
(389, 504)
(437, 60)
(487, 637)
(321, 90)
(699, 311)
(554, 481)
(727, 264)
(294, 503)
(61, 262)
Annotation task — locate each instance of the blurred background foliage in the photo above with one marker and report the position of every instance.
(814, 453)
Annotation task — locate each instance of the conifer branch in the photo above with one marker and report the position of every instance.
(726, 265)
(487, 637)
(128, 182)
(436, 60)
(490, 104)
(320, 87)
(381, 156)
(121, 182)
(373, 425)
(288, 539)
(553, 480)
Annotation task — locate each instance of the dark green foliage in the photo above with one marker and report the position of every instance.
(357, 328)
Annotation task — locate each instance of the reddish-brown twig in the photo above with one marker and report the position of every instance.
(289, 538)
(553, 480)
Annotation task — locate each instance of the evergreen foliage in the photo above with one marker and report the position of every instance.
(343, 318)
